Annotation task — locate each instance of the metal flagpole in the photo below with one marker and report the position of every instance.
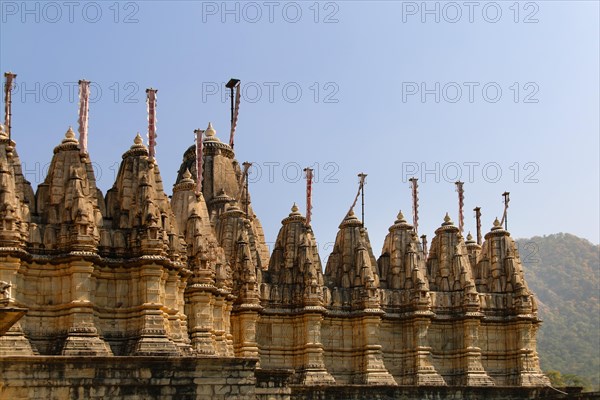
(362, 177)
(505, 215)
(415, 192)
(232, 84)
(309, 178)
(461, 200)
(151, 100)
(84, 108)
(478, 222)
(8, 102)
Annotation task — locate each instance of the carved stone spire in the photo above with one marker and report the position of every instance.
(402, 263)
(500, 267)
(10, 209)
(506, 296)
(353, 279)
(68, 201)
(236, 237)
(208, 292)
(222, 184)
(141, 218)
(352, 267)
(16, 196)
(203, 249)
(448, 266)
(294, 271)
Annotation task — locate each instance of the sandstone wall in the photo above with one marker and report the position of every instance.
(126, 378)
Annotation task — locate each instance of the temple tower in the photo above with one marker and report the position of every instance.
(142, 230)
(15, 197)
(223, 183)
(67, 225)
(293, 298)
(407, 303)
(509, 334)
(208, 295)
(353, 279)
(455, 331)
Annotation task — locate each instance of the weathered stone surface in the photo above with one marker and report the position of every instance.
(186, 285)
(149, 378)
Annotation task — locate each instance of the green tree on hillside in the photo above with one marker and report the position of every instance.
(563, 271)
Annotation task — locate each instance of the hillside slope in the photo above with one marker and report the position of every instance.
(563, 271)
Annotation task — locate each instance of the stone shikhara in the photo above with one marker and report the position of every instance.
(134, 273)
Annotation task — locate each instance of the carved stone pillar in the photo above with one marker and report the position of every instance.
(180, 318)
(424, 372)
(373, 371)
(528, 367)
(473, 372)
(201, 322)
(220, 332)
(153, 339)
(312, 371)
(227, 307)
(82, 335)
(244, 326)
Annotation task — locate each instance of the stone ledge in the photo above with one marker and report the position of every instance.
(9, 316)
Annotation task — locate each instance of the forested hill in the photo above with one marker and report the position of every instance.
(563, 271)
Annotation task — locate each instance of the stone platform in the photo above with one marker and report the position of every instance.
(210, 378)
(126, 378)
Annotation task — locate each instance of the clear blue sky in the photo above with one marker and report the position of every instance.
(369, 73)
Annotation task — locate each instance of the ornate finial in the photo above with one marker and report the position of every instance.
(210, 131)
(497, 224)
(294, 209)
(400, 218)
(469, 237)
(351, 213)
(138, 142)
(70, 136)
(447, 220)
(186, 178)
